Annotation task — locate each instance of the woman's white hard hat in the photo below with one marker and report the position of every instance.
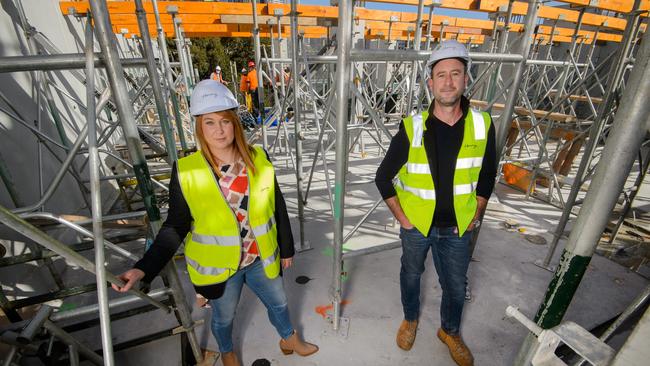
(211, 96)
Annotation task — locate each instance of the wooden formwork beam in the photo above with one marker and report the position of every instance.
(212, 14)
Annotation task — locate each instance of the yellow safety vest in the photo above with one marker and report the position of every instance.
(414, 182)
(213, 246)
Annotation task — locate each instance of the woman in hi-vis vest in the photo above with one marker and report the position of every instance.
(225, 202)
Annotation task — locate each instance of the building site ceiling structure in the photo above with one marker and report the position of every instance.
(215, 19)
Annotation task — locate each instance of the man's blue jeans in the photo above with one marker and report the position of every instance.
(451, 258)
(271, 292)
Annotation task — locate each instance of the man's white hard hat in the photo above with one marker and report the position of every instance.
(218, 68)
(447, 49)
(211, 96)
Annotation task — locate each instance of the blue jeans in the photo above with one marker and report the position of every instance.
(271, 292)
(451, 258)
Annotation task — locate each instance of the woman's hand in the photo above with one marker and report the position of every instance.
(130, 277)
(286, 262)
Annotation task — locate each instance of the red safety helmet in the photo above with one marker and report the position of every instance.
(251, 63)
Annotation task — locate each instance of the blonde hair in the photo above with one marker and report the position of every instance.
(245, 151)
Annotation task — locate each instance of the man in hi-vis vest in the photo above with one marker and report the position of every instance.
(436, 178)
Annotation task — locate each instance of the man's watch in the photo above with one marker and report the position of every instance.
(476, 223)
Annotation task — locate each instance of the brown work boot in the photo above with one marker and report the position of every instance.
(230, 359)
(457, 348)
(406, 334)
(294, 343)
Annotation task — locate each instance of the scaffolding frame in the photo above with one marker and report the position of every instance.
(345, 127)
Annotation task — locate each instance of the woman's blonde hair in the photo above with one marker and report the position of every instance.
(245, 151)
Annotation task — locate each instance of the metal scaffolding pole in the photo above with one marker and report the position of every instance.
(96, 201)
(414, 66)
(127, 121)
(617, 71)
(297, 119)
(344, 38)
(168, 135)
(609, 179)
(260, 78)
(169, 78)
(173, 10)
(527, 38)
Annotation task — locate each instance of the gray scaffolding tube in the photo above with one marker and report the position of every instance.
(414, 66)
(169, 78)
(23, 227)
(298, 136)
(344, 37)
(96, 201)
(125, 110)
(616, 73)
(260, 78)
(168, 135)
(59, 62)
(524, 45)
(609, 179)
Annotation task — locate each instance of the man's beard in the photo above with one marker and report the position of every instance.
(449, 101)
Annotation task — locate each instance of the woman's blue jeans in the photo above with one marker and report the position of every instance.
(271, 292)
(451, 258)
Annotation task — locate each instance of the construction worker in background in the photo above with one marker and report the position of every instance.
(244, 87)
(436, 179)
(218, 76)
(252, 78)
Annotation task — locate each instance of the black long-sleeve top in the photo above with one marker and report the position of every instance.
(178, 224)
(442, 144)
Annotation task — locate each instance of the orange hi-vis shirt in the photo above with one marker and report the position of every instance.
(252, 77)
(217, 77)
(243, 83)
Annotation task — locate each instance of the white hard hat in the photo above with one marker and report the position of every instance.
(211, 96)
(218, 68)
(447, 49)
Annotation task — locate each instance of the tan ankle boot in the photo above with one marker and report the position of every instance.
(230, 359)
(457, 348)
(406, 334)
(294, 343)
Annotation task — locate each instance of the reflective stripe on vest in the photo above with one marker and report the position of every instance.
(418, 130)
(425, 194)
(207, 271)
(216, 240)
(464, 188)
(414, 168)
(264, 228)
(479, 125)
(270, 260)
(467, 163)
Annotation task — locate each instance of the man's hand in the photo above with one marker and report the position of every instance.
(396, 209)
(480, 210)
(286, 262)
(130, 277)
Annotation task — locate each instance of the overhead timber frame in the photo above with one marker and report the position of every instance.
(548, 109)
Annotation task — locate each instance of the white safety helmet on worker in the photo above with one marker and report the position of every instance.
(445, 50)
(218, 68)
(211, 96)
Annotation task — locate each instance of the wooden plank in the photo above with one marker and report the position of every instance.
(621, 6)
(448, 4)
(266, 19)
(553, 13)
(558, 117)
